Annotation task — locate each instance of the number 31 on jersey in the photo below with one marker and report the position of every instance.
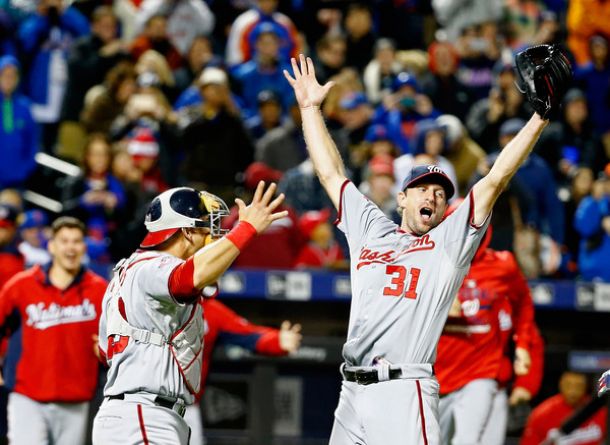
(398, 282)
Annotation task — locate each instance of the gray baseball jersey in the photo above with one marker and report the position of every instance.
(402, 284)
(148, 305)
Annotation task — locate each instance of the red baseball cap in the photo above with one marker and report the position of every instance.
(312, 219)
(382, 165)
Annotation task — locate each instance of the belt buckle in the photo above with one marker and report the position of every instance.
(361, 375)
(180, 408)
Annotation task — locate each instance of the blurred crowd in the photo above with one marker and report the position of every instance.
(143, 95)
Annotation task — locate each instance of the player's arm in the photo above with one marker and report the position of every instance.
(486, 191)
(214, 259)
(322, 150)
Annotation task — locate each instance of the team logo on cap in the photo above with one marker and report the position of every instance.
(434, 169)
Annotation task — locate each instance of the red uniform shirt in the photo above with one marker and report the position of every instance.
(551, 413)
(471, 346)
(11, 263)
(57, 361)
(225, 326)
(311, 255)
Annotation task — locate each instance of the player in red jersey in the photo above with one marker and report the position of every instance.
(224, 326)
(470, 349)
(549, 415)
(58, 310)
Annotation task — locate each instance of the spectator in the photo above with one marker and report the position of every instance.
(354, 115)
(463, 153)
(186, 19)
(430, 139)
(360, 37)
(45, 38)
(571, 142)
(264, 71)
(503, 103)
(7, 33)
(455, 17)
(144, 151)
(580, 187)
(119, 85)
(240, 44)
(284, 147)
(380, 183)
(11, 260)
(59, 305)
(592, 221)
(585, 19)
(127, 12)
(442, 85)
(593, 78)
(154, 36)
(269, 115)
(406, 106)
(90, 59)
(34, 233)
(522, 22)
(216, 144)
(538, 177)
(321, 250)
(282, 237)
(199, 56)
(302, 189)
(151, 62)
(97, 197)
(547, 417)
(380, 72)
(329, 58)
(18, 132)
(479, 49)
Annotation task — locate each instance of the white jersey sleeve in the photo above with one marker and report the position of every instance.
(154, 276)
(461, 238)
(359, 218)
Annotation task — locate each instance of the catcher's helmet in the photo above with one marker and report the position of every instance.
(182, 207)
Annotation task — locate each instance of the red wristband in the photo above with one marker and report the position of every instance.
(241, 234)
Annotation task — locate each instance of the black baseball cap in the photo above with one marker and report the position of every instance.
(430, 174)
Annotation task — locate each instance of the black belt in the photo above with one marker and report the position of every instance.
(164, 402)
(364, 377)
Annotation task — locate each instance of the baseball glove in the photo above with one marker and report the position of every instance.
(545, 74)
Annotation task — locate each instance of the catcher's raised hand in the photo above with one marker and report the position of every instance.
(603, 385)
(308, 91)
(545, 75)
(261, 211)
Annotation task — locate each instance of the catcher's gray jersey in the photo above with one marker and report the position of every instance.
(402, 284)
(147, 304)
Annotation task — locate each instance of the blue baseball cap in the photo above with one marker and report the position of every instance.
(512, 126)
(430, 174)
(404, 79)
(31, 219)
(377, 132)
(9, 60)
(353, 101)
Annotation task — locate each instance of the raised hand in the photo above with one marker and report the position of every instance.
(308, 91)
(260, 211)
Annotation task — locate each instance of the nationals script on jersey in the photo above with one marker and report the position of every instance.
(402, 284)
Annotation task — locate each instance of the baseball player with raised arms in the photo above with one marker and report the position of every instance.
(151, 330)
(404, 278)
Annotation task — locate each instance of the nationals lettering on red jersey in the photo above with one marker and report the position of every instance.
(369, 256)
(41, 317)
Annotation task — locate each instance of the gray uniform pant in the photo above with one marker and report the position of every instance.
(464, 413)
(397, 412)
(31, 422)
(495, 430)
(192, 417)
(138, 420)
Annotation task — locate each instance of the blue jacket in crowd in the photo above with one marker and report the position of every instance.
(594, 254)
(19, 140)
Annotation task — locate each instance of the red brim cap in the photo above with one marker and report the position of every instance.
(155, 238)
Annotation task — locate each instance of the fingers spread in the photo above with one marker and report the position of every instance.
(269, 193)
(289, 78)
(285, 325)
(303, 65)
(258, 193)
(310, 68)
(279, 215)
(240, 204)
(296, 327)
(295, 69)
(276, 202)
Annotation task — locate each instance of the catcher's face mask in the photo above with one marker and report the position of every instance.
(183, 207)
